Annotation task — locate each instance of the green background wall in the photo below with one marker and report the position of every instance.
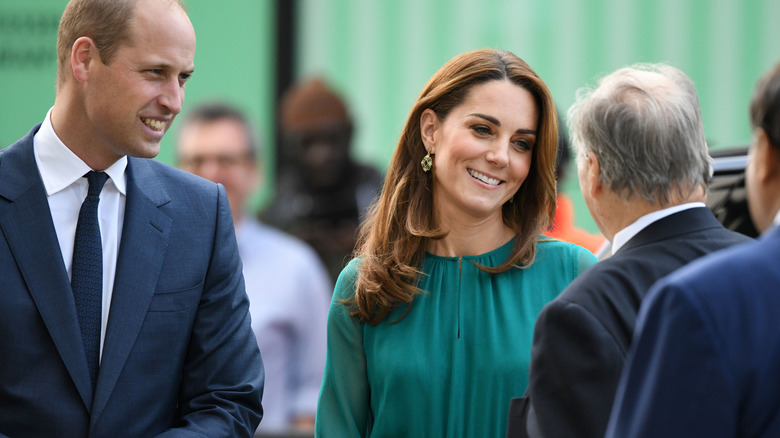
(380, 53)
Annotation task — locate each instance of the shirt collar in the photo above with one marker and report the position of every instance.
(776, 221)
(60, 167)
(623, 236)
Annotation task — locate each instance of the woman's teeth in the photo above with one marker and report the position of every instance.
(483, 178)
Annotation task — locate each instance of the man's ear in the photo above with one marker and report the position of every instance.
(765, 157)
(595, 184)
(82, 55)
(429, 125)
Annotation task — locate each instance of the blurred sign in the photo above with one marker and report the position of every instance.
(28, 64)
(26, 39)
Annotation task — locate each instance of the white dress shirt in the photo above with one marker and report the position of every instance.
(776, 220)
(624, 235)
(62, 173)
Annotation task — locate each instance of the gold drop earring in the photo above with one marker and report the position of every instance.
(427, 162)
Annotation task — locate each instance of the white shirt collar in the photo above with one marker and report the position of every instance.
(776, 221)
(60, 167)
(623, 236)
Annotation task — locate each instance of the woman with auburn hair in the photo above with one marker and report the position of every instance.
(429, 331)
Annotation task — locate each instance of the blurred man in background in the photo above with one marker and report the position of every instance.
(288, 288)
(322, 193)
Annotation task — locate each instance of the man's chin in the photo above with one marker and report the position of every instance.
(147, 151)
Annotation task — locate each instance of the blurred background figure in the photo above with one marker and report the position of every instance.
(563, 227)
(288, 286)
(322, 192)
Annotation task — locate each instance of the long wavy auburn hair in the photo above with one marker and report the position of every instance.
(395, 234)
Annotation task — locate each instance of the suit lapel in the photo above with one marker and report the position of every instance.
(142, 251)
(25, 221)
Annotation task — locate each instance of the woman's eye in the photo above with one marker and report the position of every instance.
(481, 129)
(523, 144)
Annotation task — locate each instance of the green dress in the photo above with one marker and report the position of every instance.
(450, 367)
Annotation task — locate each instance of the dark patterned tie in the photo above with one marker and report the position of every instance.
(87, 272)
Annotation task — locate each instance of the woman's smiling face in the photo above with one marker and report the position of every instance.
(482, 150)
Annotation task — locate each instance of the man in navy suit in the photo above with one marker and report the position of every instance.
(706, 357)
(177, 356)
(643, 168)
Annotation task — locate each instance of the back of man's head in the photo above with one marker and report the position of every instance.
(765, 105)
(644, 125)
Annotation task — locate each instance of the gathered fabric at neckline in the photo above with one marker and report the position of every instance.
(503, 250)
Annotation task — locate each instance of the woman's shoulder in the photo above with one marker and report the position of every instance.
(549, 248)
(345, 284)
(552, 244)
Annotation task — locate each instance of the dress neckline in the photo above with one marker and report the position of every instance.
(502, 250)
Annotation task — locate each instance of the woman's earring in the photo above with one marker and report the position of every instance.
(427, 162)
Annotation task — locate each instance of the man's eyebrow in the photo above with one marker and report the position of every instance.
(166, 66)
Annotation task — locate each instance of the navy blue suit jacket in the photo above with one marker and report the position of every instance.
(581, 338)
(179, 353)
(705, 361)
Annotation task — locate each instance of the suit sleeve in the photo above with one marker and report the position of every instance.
(676, 382)
(222, 380)
(574, 372)
(343, 409)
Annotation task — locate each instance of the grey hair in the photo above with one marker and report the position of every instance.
(648, 135)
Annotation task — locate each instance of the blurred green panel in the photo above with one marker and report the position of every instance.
(28, 64)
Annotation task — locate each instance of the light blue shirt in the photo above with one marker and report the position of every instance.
(289, 295)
